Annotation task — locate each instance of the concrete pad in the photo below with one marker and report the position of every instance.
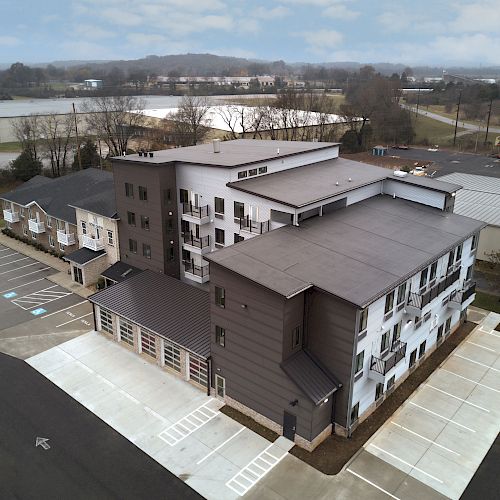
(244, 448)
(218, 430)
(51, 360)
(80, 346)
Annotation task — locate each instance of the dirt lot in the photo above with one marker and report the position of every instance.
(331, 455)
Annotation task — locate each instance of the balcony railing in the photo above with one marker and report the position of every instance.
(201, 271)
(467, 291)
(92, 243)
(390, 360)
(35, 226)
(10, 216)
(202, 242)
(254, 227)
(65, 238)
(194, 211)
(417, 301)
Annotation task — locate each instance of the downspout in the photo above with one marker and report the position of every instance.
(209, 377)
(351, 381)
(95, 319)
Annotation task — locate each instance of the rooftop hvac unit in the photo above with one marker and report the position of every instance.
(400, 173)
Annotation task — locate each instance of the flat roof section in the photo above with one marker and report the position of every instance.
(84, 255)
(168, 307)
(358, 253)
(232, 153)
(120, 271)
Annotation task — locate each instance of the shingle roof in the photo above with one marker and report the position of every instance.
(91, 186)
(84, 255)
(168, 307)
(120, 271)
(479, 198)
(358, 253)
(232, 153)
(310, 376)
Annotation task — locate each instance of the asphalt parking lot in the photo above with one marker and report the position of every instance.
(170, 420)
(35, 313)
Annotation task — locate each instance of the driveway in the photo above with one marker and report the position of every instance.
(172, 421)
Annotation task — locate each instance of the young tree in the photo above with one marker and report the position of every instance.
(24, 167)
(88, 154)
(27, 132)
(190, 122)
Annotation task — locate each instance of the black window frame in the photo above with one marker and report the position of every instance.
(433, 271)
(145, 222)
(220, 296)
(146, 250)
(132, 246)
(389, 299)
(243, 174)
(424, 278)
(354, 413)
(183, 196)
(239, 208)
(385, 342)
(297, 337)
(129, 190)
(143, 193)
(131, 219)
(218, 232)
(363, 320)
(262, 170)
(238, 238)
(421, 349)
(360, 361)
(252, 172)
(218, 204)
(220, 336)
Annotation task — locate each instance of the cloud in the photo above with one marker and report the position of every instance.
(9, 41)
(340, 11)
(322, 40)
(482, 17)
(90, 31)
(146, 39)
(274, 13)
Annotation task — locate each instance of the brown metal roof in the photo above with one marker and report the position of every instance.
(168, 307)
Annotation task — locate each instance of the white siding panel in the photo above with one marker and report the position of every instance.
(414, 193)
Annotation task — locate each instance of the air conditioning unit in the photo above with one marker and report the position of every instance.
(400, 173)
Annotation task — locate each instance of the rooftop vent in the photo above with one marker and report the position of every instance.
(151, 154)
(350, 180)
(216, 145)
(400, 173)
(337, 183)
(278, 151)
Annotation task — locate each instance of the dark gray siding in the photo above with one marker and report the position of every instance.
(293, 316)
(250, 360)
(330, 337)
(156, 179)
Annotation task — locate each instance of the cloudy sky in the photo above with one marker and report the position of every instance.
(437, 32)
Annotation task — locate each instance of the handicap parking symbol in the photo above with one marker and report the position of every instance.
(37, 312)
(9, 295)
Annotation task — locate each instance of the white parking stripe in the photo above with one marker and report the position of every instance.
(441, 416)
(470, 380)
(20, 286)
(492, 334)
(424, 438)
(10, 255)
(76, 319)
(13, 261)
(477, 362)
(481, 346)
(28, 274)
(5, 249)
(406, 463)
(65, 309)
(372, 484)
(456, 397)
(22, 267)
(220, 446)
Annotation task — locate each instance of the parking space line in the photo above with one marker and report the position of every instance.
(441, 416)
(39, 298)
(13, 262)
(456, 397)
(492, 334)
(28, 274)
(406, 463)
(239, 488)
(65, 309)
(477, 363)
(17, 268)
(220, 446)
(10, 255)
(470, 380)
(20, 286)
(76, 319)
(372, 484)
(481, 346)
(424, 438)
(5, 249)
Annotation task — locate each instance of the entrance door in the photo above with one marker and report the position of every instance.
(289, 425)
(220, 386)
(78, 275)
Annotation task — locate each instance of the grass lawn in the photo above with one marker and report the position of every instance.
(488, 302)
(10, 147)
(432, 131)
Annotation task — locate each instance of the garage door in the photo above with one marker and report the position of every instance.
(198, 370)
(148, 343)
(172, 356)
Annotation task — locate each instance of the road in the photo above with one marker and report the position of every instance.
(450, 121)
(86, 459)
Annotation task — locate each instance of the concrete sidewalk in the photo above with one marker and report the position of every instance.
(62, 278)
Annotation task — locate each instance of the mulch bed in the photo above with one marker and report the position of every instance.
(333, 453)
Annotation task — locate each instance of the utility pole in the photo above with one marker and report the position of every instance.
(488, 122)
(418, 101)
(456, 121)
(77, 139)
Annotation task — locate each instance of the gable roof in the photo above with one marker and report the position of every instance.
(91, 187)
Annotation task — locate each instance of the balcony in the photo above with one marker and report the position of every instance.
(200, 246)
(65, 238)
(417, 301)
(463, 297)
(35, 226)
(95, 244)
(195, 272)
(194, 214)
(253, 227)
(10, 216)
(380, 367)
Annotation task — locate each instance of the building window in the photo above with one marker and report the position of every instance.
(106, 321)
(60, 225)
(111, 240)
(458, 255)
(146, 250)
(126, 332)
(389, 304)
(384, 342)
(242, 175)
(360, 358)
(132, 245)
(363, 320)
(48, 221)
(61, 247)
(390, 382)
(297, 337)
(186, 255)
(396, 332)
(239, 210)
(131, 218)
(238, 238)
(262, 170)
(413, 358)
(129, 190)
(220, 296)
(421, 349)
(220, 336)
(401, 293)
(423, 278)
(84, 227)
(447, 326)
(25, 230)
(474, 243)
(451, 258)
(33, 235)
(433, 272)
(198, 370)
(183, 196)
(219, 236)
(379, 391)
(21, 212)
(148, 343)
(470, 270)
(219, 205)
(252, 171)
(143, 193)
(440, 333)
(354, 413)
(51, 241)
(145, 222)
(172, 356)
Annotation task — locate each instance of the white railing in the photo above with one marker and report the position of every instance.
(10, 216)
(36, 227)
(65, 238)
(93, 243)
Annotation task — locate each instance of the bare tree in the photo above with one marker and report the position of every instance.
(115, 120)
(57, 132)
(190, 122)
(27, 132)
